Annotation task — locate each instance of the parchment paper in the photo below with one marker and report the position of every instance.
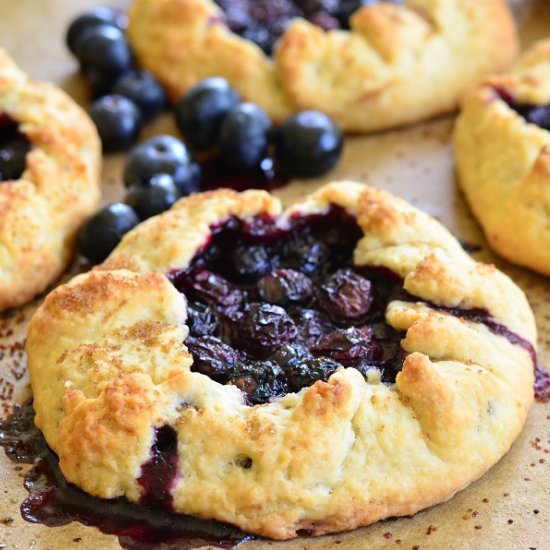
(508, 508)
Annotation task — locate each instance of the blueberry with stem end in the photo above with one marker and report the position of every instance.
(118, 122)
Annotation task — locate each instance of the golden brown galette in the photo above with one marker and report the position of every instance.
(502, 143)
(49, 163)
(372, 67)
(312, 370)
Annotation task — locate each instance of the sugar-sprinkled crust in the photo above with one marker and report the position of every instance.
(398, 64)
(40, 212)
(503, 161)
(108, 365)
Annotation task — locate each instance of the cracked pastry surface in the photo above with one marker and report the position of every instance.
(110, 367)
(503, 159)
(54, 187)
(396, 65)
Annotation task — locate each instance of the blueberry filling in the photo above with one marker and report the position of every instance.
(14, 147)
(534, 114)
(52, 501)
(274, 310)
(264, 21)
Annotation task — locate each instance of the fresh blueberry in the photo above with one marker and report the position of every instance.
(244, 136)
(308, 144)
(144, 90)
(153, 197)
(163, 155)
(99, 83)
(105, 49)
(104, 230)
(93, 18)
(118, 122)
(201, 110)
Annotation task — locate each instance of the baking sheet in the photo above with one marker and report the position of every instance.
(508, 508)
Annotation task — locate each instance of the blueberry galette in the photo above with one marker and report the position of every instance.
(306, 371)
(369, 65)
(49, 161)
(502, 143)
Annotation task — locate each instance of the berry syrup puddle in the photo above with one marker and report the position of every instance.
(14, 146)
(271, 310)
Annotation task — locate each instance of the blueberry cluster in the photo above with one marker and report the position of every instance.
(158, 172)
(264, 21)
(212, 118)
(273, 311)
(126, 96)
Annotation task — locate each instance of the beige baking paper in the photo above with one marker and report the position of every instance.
(496, 512)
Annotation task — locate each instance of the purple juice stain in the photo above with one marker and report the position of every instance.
(158, 475)
(54, 502)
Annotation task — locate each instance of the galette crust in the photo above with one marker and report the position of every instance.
(503, 161)
(398, 64)
(108, 364)
(40, 212)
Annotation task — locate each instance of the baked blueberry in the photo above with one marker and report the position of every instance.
(163, 155)
(250, 262)
(153, 196)
(285, 286)
(104, 230)
(93, 18)
(105, 49)
(348, 346)
(306, 254)
(214, 290)
(261, 328)
(118, 122)
(308, 144)
(306, 372)
(202, 320)
(346, 297)
(260, 380)
(144, 90)
(212, 357)
(201, 110)
(244, 136)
